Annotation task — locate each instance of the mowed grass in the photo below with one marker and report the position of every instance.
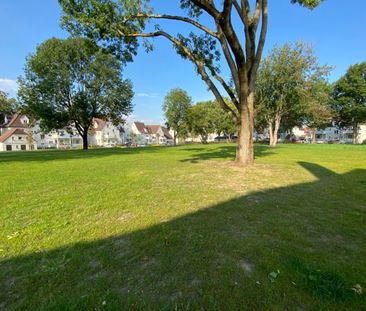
(183, 228)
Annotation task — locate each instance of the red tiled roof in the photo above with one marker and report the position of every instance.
(11, 132)
(101, 124)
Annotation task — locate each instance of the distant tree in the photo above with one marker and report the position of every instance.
(72, 81)
(117, 24)
(176, 106)
(285, 80)
(318, 112)
(8, 106)
(200, 120)
(349, 98)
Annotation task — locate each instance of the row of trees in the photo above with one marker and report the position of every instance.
(292, 89)
(200, 119)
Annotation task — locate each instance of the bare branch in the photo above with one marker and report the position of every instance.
(179, 18)
(199, 66)
(261, 41)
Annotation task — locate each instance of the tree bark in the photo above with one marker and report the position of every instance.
(355, 134)
(313, 136)
(175, 138)
(85, 140)
(245, 149)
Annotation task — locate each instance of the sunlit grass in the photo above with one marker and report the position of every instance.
(184, 228)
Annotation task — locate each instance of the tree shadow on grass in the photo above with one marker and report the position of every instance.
(310, 235)
(224, 152)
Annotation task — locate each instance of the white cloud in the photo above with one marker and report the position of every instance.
(148, 95)
(8, 86)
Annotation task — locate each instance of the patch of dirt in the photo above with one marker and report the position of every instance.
(247, 266)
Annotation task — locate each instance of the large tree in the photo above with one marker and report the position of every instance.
(176, 106)
(116, 24)
(69, 82)
(287, 84)
(349, 96)
(7, 106)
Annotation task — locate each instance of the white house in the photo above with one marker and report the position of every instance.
(151, 134)
(105, 133)
(343, 135)
(16, 134)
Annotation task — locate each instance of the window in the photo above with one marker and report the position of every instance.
(19, 137)
(335, 131)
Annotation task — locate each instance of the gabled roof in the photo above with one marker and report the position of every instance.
(152, 129)
(10, 133)
(100, 124)
(141, 127)
(166, 133)
(16, 121)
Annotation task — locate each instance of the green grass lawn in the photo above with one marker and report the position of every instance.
(183, 228)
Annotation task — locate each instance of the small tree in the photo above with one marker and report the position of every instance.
(349, 98)
(199, 121)
(176, 106)
(7, 106)
(285, 81)
(318, 113)
(72, 81)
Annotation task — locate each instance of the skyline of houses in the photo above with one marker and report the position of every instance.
(19, 133)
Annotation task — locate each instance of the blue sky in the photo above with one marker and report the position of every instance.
(336, 29)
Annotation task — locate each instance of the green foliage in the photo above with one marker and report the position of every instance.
(7, 106)
(70, 82)
(208, 117)
(318, 112)
(311, 4)
(104, 22)
(176, 106)
(289, 80)
(349, 97)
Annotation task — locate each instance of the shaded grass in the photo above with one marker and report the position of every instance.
(175, 228)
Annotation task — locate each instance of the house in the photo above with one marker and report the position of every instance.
(342, 135)
(105, 133)
(16, 134)
(151, 134)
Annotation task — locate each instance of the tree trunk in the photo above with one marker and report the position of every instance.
(175, 138)
(245, 149)
(313, 136)
(85, 140)
(273, 131)
(355, 134)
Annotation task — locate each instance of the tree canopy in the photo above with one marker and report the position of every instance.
(176, 106)
(349, 98)
(289, 82)
(69, 82)
(7, 106)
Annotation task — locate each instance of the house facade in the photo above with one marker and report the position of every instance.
(104, 133)
(151, 134)
(16, 134)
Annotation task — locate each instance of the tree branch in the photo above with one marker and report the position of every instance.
(178, 18)
(199, 66)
